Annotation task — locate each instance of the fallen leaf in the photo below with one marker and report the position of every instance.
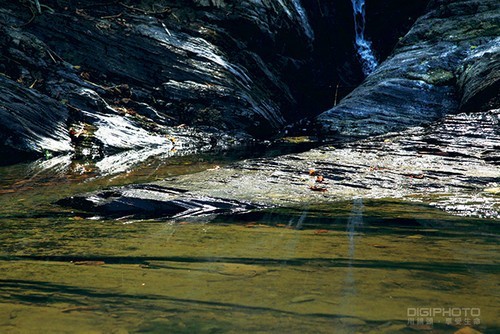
(316, 188)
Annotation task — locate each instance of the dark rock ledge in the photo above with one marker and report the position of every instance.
(152, 201)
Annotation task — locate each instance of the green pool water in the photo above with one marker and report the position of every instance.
(349, 267)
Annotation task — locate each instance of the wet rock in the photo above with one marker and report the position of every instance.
(417, 84)
(31, 122)
(131, 68)
(479, 81)
(447, 165)
(494, 191)
(152, 201)
(229, 65)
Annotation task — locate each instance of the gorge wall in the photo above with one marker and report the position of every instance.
(98, 78)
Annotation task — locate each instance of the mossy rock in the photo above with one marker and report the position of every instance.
(436, 77)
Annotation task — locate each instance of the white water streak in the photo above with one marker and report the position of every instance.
(363, 46)
(355, 221)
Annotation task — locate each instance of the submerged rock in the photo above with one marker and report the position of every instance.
(152, 201)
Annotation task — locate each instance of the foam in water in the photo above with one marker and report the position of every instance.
(363, 46)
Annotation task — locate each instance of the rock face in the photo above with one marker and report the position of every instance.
(31, 122)
(110, 70)
(479, 80)
(122, 67)
(445, 68)
(447, 62)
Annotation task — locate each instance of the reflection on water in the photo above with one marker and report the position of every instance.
(353, 224)
(347, 267)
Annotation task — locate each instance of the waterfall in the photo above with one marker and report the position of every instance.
(363, 46)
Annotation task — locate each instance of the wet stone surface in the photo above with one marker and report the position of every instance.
(152, 201)
(453, 165)
(447, 62)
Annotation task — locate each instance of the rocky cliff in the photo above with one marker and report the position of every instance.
(448, 62)
(431, 115)
(110, 70)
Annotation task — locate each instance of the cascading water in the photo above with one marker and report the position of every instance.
(363, 46)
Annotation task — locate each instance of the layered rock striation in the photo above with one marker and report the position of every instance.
(109, 70)
(447, 62)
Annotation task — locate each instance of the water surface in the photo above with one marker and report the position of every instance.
(347, 267)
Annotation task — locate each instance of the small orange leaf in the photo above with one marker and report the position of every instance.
(316, 188)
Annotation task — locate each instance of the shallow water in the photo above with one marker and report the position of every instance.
(347, 267)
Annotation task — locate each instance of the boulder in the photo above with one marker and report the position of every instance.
(446, 63)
